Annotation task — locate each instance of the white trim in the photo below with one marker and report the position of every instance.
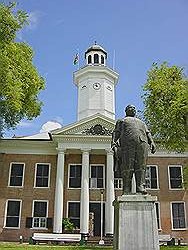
(157, 173)
(42, 163)
(47, 202)
(171, 216)
(68, 187)
(40, 201)
(10, 170)
(104, 202)
(6, 206)
(76, 127)
(164, 153)
(17, 146)
(98, 164)
(169, 185)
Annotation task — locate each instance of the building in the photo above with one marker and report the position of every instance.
(69, 172)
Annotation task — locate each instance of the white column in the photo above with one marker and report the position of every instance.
(84, 200)
(110, 197)
(58, 208)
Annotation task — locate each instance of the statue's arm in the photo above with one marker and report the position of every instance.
(151, 141)
(116, 134)
(115, 144)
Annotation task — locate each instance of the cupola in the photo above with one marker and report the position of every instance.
(96, 55)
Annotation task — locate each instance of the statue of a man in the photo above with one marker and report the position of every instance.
(130, 140)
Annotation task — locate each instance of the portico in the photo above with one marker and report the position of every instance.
(88, 148)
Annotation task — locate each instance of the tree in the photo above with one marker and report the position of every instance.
(20, 83)
(166, 108)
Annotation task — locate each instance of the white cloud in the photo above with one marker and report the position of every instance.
(25, 124)
(49, 126)
(33, 19)
(58, 119)
(33, 22)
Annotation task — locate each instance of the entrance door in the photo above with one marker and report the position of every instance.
(96, 209)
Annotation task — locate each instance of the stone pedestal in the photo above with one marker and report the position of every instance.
(135, 223)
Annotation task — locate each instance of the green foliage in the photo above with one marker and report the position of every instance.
(68, 225)
(20, 82)
(166, 106)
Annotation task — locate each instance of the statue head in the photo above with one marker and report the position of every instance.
(130, 110)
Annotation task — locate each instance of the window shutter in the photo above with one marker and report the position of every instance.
(28, 223)
(49, 223)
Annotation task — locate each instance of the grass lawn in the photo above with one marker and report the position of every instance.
(12, 246)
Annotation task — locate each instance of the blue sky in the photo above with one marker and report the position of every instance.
(140, 31)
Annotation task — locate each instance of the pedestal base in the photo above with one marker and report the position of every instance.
(135, 223)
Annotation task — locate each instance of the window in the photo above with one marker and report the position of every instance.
(13, 209)
(40, 214)
(96, 58)
(178, 215)
(151, 177)
(16, 174)
(97, 176)
(175, 177)
(118, 181)
(75, 172)
(157, 207)
(42, 175)
(89, 59)
(102, 59)
(74, 213)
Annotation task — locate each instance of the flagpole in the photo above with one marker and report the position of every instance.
(78, 67)
(113, 64)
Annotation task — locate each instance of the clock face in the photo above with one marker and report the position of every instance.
(96, 85)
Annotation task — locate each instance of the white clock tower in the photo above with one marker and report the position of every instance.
(96, 85)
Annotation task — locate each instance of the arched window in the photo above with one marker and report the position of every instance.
(96, 58)
(102, 59)
(89, 59)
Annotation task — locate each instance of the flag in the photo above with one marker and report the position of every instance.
(76, 59)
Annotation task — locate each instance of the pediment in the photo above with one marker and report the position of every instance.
(93, 125)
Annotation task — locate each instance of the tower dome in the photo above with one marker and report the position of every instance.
(96, 55)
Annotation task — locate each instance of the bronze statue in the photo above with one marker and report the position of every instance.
(130, 140)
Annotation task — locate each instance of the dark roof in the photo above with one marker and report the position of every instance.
(96, 47)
